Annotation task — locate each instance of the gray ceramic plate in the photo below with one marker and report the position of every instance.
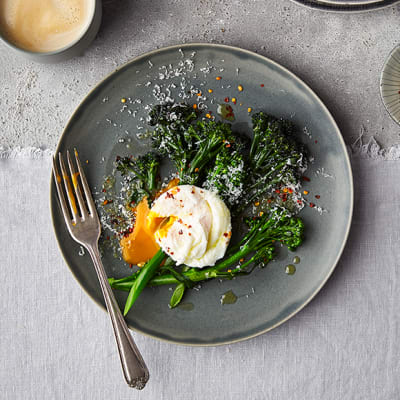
(347, 5)
(101, 128)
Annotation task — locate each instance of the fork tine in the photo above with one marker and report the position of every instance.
(64, 207)
(75, 184)
(68, 188)
(85, 185)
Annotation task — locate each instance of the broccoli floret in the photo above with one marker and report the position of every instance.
(172, 113)
(211, 138)
(275, 159)
(228, 177)
(141, 174)
(170, 136)
(192, 146)
(275, 226)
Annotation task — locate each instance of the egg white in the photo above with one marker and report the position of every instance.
(198, 231)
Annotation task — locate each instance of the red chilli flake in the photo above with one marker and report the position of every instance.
(305, 179)
(226, 234)
(312, 205)
(181, 232)
(317, 196)
(226, 100)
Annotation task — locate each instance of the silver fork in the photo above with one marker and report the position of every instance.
(84, 227)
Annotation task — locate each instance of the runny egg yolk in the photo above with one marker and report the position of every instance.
(140, 245)
(159, 225)
(171, 184)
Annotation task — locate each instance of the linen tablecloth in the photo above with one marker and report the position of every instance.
(55, 343)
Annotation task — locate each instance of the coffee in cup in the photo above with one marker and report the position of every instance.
(44, 25)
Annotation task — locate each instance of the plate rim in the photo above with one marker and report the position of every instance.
(342, 142)
(368, 5)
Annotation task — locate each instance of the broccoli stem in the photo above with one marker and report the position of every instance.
(151, 179)
(264, 231)
(205, 155)
(194, 275)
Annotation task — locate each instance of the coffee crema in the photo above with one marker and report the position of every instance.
(44, 25)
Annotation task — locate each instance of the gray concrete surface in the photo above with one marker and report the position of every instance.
(339, 55)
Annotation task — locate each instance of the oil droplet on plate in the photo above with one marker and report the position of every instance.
(186, 306)
(228, 298)
(290, 269)
(296, 260)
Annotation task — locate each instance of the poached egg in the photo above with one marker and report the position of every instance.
(192, 225)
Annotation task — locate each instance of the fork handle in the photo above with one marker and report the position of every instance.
(134, 368)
